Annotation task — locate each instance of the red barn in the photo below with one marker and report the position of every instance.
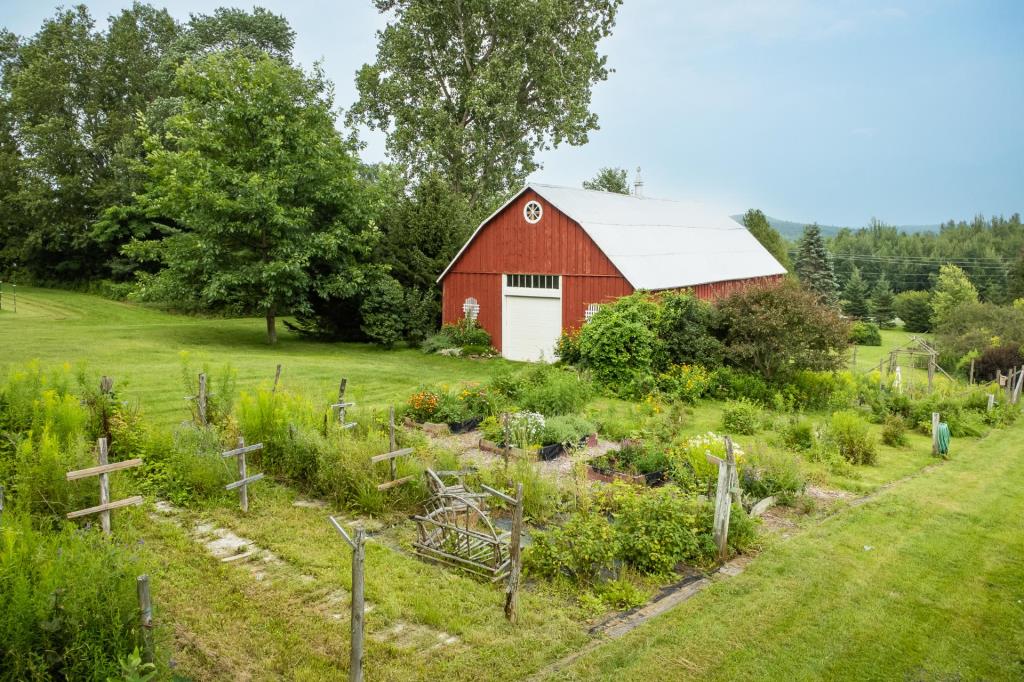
(545, 260)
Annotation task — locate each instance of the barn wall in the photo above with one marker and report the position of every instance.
(554, 246)
(716, 290)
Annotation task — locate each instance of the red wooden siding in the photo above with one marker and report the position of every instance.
(556, 245)
(715, 290)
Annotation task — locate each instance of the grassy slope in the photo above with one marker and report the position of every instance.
(141, 349)
(940, 594)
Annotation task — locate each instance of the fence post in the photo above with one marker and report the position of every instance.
(394, 444)
(243, 491)
(515, 542)
(935, 433)
(972, 372)
(145, 617)
(991, 401)
(358, 623)
(853, 362)
(723, 505)
(202, 399)
(104, 487)
(734, 478)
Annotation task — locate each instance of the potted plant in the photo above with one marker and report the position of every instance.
(562, 434)
(633, 463)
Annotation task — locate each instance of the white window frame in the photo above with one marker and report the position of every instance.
(526, 211)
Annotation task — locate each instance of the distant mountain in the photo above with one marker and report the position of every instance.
(792, 230)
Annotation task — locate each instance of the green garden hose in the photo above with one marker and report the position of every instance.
(944, 438)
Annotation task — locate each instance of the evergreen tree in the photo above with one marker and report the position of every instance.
(814, 265)
(855, 295)
(757, 222)
(882, 303)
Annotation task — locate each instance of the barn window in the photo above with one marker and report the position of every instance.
(591, 311)
(532, 212)
(532, 281)
(471, 308)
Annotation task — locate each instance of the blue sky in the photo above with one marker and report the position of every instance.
(912, 112)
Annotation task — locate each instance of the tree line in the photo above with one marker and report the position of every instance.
(195, 164)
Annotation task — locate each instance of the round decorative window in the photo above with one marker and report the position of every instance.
(532, 212)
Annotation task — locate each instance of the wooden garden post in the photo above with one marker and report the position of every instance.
(853, 362)
(734, 479)
(243, 491)
(358, 623)
(723, 499)
(145, 618)
(202, 399)
(515, 542)
(394, 444)
(935, 433)
(931, 372)
(104, 487)
(972, 372)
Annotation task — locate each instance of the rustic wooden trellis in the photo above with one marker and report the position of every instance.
(457, 530)
(103, 471)
(915, 348)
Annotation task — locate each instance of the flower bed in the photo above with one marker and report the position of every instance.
(632, 463)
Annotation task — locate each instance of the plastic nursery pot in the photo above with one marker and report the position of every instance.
(465, 426)
(550, 452)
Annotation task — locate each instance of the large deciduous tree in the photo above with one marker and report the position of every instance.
(757, 222)
(255, 189)
(814, 265)
(609, 179)
(953, 289)
(473, 89)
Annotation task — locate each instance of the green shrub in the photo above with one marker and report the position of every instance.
(584, 548)
(689, 465)
(894, 431)
(467, 332)
(567, 349)
(685, 382)
(730, 382)
(541, 495)
(809, 390)
(852, 437)
(68, 606)
(915, 309)
(554, 391)
(657, 528)
(633, 459)
(741, 416)
(685, 331)
(566, 430)
(799, 433)
(620, 344)
(865, 334)
(185, 467)
(768, 473)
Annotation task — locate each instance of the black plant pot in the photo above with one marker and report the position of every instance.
(465, 426)
(550, 452)
(654, 478)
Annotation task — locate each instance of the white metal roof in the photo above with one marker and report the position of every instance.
(658, 243)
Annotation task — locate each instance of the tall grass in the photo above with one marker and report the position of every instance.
(67, 603)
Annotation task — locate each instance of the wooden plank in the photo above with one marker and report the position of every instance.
(340, 529)
(498, 493)
(717, 461)
(242, 450)
(391, 455)
(103, 469)
(244, 481)
(104, 488)
(338, 406)
(145, 617)
(397, 482)
(127, 502)
(355, 666)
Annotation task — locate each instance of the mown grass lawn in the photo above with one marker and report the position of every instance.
(141, 348)
(924, 582)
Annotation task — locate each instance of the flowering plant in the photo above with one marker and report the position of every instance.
(689, 463)
(685, 382)
(423, 404)
(523, 429)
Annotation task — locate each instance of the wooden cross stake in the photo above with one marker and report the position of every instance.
(358, 623)
(103, 470)
(726, 491)
(244, 479)
(515, 558)
(342, 405)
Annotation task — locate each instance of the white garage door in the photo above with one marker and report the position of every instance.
(532, 325)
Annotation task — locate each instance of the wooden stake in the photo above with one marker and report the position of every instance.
(723, 506)
(991, 401)
(512, 588)
(931, 372)
(277, 377)
(106, 385)
(243, 490)
(202, 399)
(972, 372)
(104, 487)
(935, 433)
(394, 445)
(358, 624)
(853, 363)
(1, 501)
(145, 618)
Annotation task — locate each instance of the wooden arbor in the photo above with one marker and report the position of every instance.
(915, 348)
(455, 529)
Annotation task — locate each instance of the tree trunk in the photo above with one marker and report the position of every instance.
(272, 325)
